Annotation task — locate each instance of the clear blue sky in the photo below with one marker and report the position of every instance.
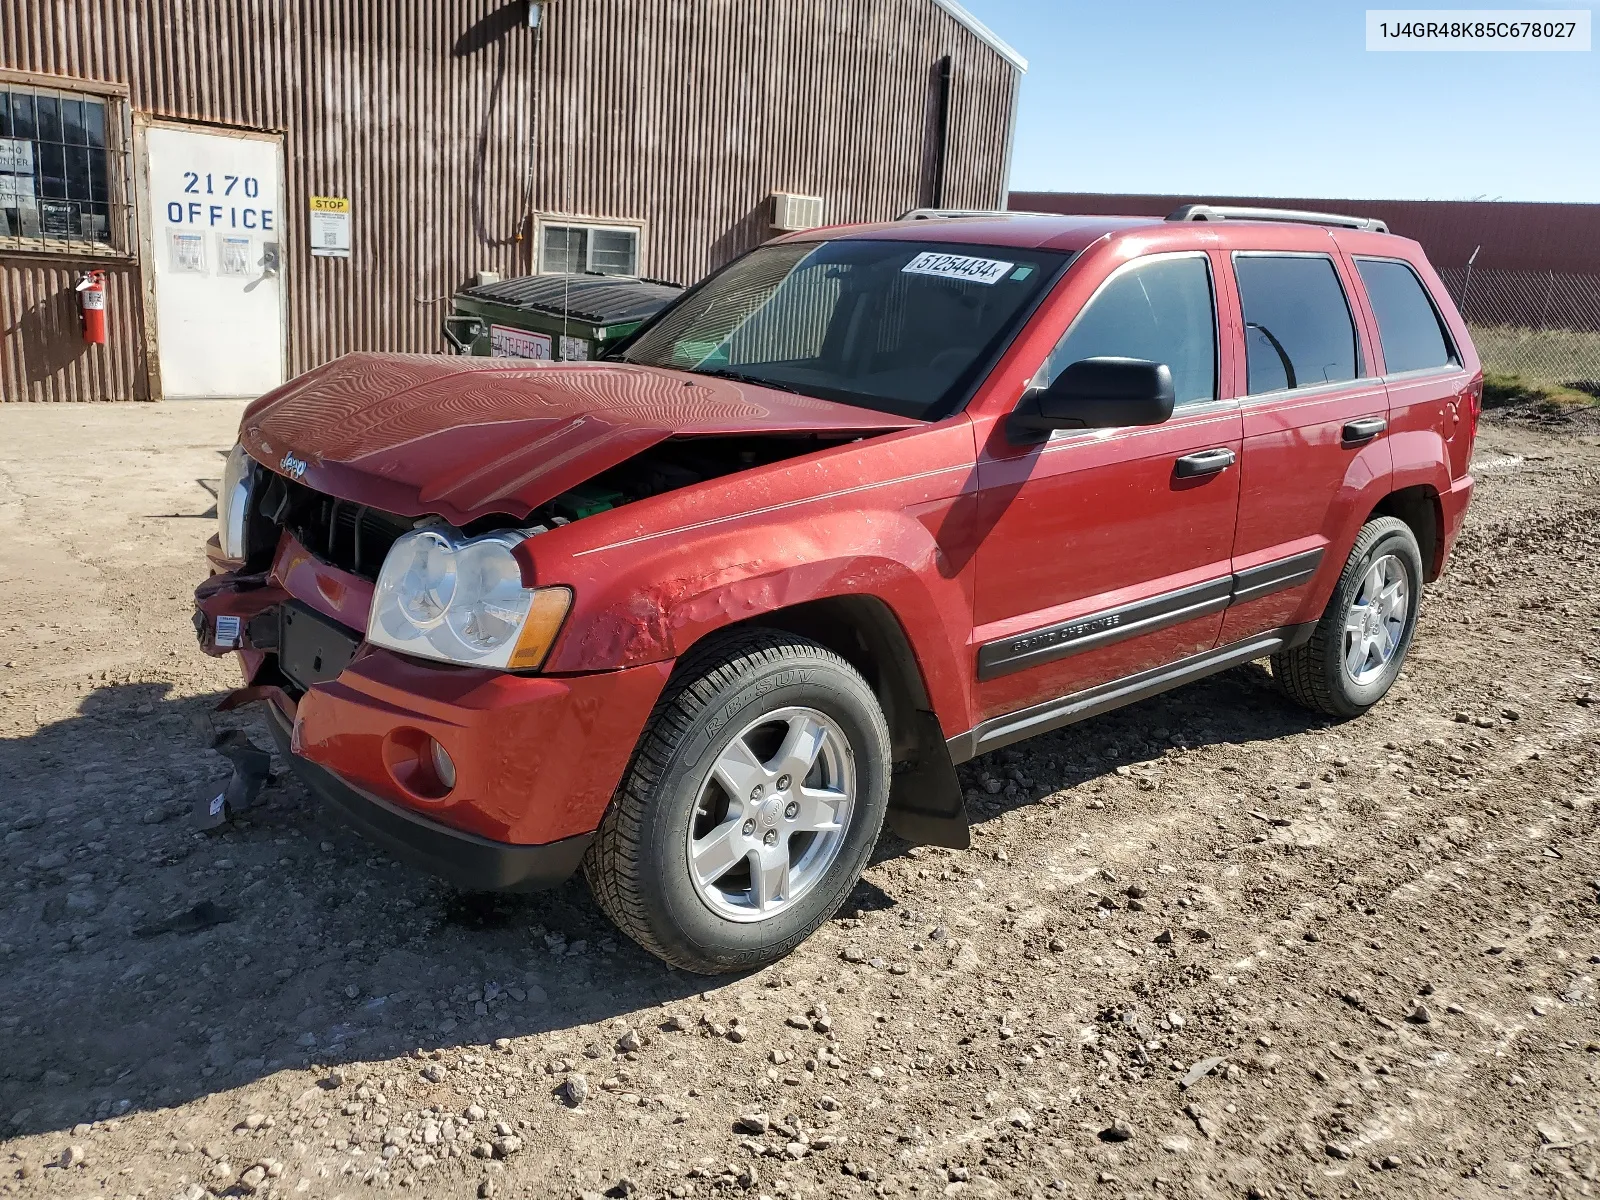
(1282, 98)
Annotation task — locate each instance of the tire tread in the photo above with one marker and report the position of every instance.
(1300, 672)
(614, 864)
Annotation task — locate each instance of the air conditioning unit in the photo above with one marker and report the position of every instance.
(792, 211)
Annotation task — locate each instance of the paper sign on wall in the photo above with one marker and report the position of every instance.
(330, 226)
(233, 255)
(188, 251)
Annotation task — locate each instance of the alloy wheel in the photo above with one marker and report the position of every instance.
(1376, 620)
(772, 814)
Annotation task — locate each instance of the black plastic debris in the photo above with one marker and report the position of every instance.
(191, 920)
(252, 767)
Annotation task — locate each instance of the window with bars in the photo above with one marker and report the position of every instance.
(63, 170)
(588, 249)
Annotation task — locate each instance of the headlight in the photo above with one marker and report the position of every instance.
(233, 502)
(462, 600)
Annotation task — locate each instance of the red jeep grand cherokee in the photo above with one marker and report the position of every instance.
(865, 503)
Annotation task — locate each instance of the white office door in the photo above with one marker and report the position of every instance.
(216, 217)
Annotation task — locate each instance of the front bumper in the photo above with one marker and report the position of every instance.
(465, 859)
(537, 758)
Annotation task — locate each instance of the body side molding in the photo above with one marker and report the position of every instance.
(1102, 628)
(1066, 710)
(1023, 650)
(1255, 582)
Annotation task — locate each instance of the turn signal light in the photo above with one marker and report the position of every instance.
(548, 611)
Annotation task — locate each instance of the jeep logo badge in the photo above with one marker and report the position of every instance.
(292, 465)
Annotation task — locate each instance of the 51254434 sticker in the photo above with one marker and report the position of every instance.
(987, 271)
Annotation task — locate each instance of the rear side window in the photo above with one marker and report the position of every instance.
(1159, 310)
(1408, 325)
(1297, 327)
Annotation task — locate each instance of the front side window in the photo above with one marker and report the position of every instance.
(1409, 328)
(1162, 311)
(1297, 327)
(61, 160)
(897, 326)
(588, 249)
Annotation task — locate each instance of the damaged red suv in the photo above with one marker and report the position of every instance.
(701, 618)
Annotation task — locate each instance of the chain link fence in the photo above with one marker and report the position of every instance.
(1541, 326)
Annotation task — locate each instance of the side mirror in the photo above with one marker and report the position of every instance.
(1095, 393)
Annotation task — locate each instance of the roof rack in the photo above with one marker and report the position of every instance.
(936, 214)
(1230, 212)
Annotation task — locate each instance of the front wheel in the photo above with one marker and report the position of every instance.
(1357, 649)
(752, 804)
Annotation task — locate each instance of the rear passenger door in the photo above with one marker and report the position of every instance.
(1429, 388)
(1315, 420)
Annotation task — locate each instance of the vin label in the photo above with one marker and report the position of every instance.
(1480, 29)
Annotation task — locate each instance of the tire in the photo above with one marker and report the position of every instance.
(1319, 674)
(756, 687)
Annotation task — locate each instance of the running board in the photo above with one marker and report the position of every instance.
(1091, 702)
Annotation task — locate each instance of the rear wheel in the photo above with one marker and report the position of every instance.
(1360, 643)
(751, 806)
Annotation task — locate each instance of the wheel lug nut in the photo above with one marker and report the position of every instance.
(783, 783)
(755, 792)
(792, 811)
(749, 827)
(772, 837)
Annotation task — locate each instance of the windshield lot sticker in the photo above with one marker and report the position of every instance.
(987, 271)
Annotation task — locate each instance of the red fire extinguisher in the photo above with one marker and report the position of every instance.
(92, 299)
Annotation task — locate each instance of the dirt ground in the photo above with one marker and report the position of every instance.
(1206, 946)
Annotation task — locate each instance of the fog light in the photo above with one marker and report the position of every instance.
(443, 766)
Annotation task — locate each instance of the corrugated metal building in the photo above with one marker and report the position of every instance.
(268, 184)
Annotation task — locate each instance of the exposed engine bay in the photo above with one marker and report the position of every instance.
(356, 537)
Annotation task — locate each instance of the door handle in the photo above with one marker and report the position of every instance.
(1363, 430)
(1206, 462)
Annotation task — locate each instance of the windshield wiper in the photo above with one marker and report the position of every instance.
(740, 377)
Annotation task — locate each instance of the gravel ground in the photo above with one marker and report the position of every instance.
(1207, 946)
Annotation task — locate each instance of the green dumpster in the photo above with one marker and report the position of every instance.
(561, 317)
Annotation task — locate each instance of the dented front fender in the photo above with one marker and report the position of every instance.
(802, 532)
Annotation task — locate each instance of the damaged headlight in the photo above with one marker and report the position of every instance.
(462, 600)
(233, 502)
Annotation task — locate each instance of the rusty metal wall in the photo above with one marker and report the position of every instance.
(1513, 236)
(688, 116)
(450, 126)
(415, 110)
(42, 352)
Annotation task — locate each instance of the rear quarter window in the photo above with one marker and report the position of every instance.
(1409, 328)
(1298, 330)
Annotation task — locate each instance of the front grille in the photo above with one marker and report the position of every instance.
(353, 537)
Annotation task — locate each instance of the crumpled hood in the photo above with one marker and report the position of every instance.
(463, 437)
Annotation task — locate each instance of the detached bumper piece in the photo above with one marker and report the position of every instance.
(467, 860)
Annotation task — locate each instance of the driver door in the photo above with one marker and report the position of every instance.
(1108, 551)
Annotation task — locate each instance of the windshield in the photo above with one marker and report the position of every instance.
(899, 327)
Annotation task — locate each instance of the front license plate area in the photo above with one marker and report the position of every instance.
(312, 648)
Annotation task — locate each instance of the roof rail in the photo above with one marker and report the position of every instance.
(1230, 212)
(934, 214)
